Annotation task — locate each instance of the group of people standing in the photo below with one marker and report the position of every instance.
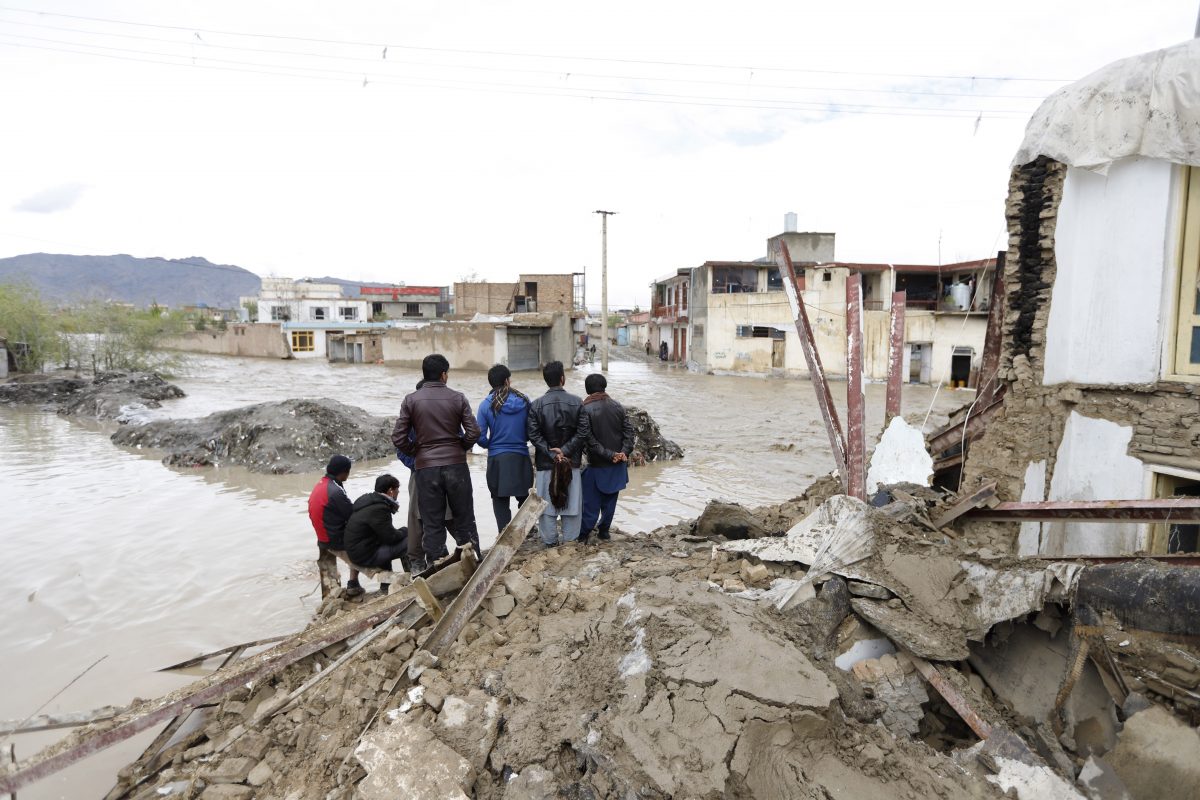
(433, 434)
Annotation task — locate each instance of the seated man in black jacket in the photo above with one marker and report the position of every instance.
(371, 541)
(610, 443)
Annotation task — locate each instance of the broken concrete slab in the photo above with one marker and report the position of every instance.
(532, 783)
(1157, 755)
(1099, 781)
(407, 760)
(1032, 782)
(519, 587)
(227, 791)
(899, 457)
(923, 636)
(470, 725)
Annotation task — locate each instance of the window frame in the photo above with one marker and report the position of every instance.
(352, 316)
(1187, 283)
(298, 341)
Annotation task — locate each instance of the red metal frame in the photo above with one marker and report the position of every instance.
(856, 440)
(895, 358)
(816, 371)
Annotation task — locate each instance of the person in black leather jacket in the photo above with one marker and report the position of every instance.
(610, 443)
(558, 429)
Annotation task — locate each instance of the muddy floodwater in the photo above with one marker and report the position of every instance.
(111, 555)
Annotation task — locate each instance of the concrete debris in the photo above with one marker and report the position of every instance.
(407, 760)
(122, 396)
(899, 457)
(280, 437)
(660, 666)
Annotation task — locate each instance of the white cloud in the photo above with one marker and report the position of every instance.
(52, 200)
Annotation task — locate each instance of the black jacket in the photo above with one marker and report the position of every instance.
(611, 432)
(556, 419)
(370, 526)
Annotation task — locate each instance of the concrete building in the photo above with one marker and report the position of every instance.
(1101, 349)
(301, 301)
(638, 326)
(734, 317)
(530, 293)
(406, 302)
(519, 341)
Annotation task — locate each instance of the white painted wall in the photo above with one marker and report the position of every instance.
(1029, 540)
(1113, 243)
(1093, 464)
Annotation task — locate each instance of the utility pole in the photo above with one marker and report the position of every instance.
(604, 215)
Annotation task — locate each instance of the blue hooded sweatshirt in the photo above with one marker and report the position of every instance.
(503, 432)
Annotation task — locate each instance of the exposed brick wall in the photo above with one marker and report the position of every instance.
(1165, 416)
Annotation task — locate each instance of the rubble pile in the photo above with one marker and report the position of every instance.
(709, 659)
(648, 442)
(279, 437)
(121, 396)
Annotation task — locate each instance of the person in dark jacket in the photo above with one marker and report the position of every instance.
(416, 550)
(558, 429)
(444, 430)
(502, 419)
(329, 508)
(371, 541)
(610, 443)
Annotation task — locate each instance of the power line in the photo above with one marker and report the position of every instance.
(777, 104)
(525, 70)
(510, 54)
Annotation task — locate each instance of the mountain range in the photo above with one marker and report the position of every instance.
(64, 279)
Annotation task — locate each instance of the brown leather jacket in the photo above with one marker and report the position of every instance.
(442, 423)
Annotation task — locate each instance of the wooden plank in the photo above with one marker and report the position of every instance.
(895, 380)
(989, 365)
(427, 600)
(981, 496)
(952, 435)
(816, 371)
(856, 434)
(1174, 509)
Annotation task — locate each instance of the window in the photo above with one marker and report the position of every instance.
(775, 279)
(319, 313)
(826, 276)
(303, 341)
(1176, 537)
(412, 309)
(759, 332)
(1187, 337)
(280, 314)
(348, 312)
(732, 280)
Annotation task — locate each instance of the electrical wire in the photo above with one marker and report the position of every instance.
(511, 54)
(493, 68)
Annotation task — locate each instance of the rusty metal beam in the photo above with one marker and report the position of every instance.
(1175, 509)
(989, 365)
(1166, 558)
(938, 681)
(211, 688)
(895, 358)
(49, 722)
(856, 438)
(816, 371)
(952, 435)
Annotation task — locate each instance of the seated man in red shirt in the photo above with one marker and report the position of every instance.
(329, 509)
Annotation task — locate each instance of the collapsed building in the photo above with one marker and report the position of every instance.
(1004, 637)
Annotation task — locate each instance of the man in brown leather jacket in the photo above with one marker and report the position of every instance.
(444, 430)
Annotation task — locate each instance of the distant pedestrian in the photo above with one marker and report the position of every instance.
(444, 430)
(371, 541)
(610, 443)
(647, 347)
(503, 419)
(663, 351)
(329, 509)
(558, 429)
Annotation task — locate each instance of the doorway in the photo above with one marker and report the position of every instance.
(920, 362)
(960, 367)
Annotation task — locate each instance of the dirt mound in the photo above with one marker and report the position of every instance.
(648, 442)
(121, 396)
(280, 437)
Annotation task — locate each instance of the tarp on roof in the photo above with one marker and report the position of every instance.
(1147, 105)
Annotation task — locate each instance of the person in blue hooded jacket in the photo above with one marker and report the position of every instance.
(502, 419)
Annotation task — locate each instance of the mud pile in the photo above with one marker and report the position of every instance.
(121, 396)
(648, 442)
(280, 437)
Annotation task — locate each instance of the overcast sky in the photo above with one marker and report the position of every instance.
(485, 137)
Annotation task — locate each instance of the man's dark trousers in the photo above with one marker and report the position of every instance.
(437, 487)
(599, 504)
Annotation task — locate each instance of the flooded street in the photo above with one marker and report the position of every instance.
(111, 554)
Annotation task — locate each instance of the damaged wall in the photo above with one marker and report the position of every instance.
(1090, 267)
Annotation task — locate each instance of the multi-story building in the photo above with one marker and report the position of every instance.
(530, 293)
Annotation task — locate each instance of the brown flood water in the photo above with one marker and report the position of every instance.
(111, 554)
